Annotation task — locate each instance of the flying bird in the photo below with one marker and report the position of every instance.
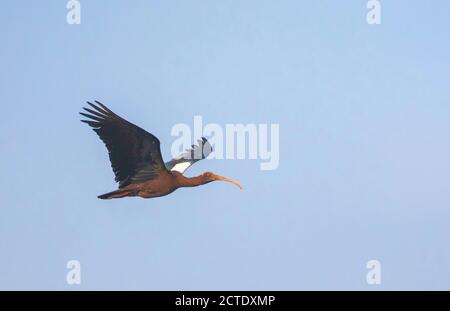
(136, 159)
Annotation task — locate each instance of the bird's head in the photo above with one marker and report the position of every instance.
(209, 177)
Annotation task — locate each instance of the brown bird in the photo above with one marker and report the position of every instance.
(136, 159)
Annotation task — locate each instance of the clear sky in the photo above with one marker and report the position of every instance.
(364, 168)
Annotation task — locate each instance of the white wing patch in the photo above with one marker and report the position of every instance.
(181, 167)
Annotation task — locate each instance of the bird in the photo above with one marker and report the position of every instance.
(136, 159)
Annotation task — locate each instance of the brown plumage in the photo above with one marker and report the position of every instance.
(136, 159)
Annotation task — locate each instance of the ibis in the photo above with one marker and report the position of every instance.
(136, 158)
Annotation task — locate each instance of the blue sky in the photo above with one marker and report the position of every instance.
(364, 144)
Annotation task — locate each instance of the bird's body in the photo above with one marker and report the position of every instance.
(164, 185)
(136, 158)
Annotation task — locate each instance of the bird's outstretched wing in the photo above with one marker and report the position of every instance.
(185, 160)
(134, 153)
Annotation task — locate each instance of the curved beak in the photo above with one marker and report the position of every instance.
(217, 177)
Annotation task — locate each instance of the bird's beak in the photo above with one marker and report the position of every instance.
(217, 177)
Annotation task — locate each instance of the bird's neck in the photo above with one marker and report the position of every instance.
(183, 181)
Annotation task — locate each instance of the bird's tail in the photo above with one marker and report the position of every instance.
(114, 194)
